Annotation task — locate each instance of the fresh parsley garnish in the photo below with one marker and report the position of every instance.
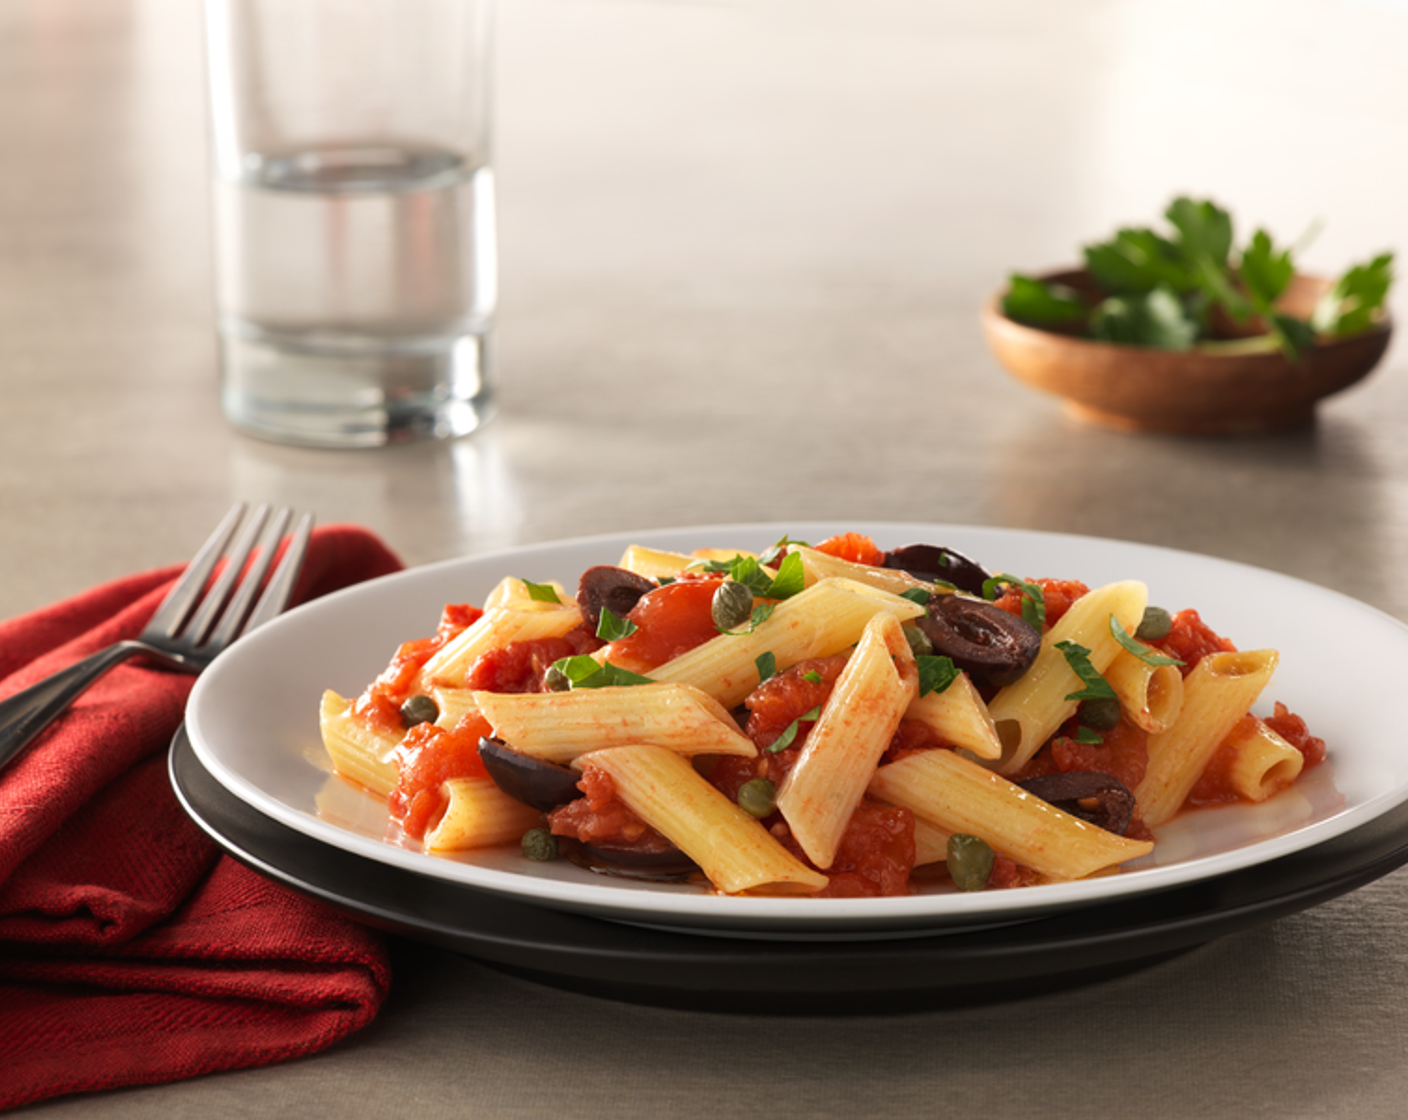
(1161, 288)
(1096, 686)
(1086, 735)
(1033, 598)
(612, 627)
(918, 595)
(767, 665)
(1146, 654)
(541, 592)
(789, 734)
(582, 671)
(935, 673)
(749, 571)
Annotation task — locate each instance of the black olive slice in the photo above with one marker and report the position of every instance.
(616, 589)
(1100, 799)
(543, 785)
(636, 863)
(935, 562)
(991, 645)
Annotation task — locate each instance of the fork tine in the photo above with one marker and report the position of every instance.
(215, 599)
(233, 619)
(176, 607)
(280, 587)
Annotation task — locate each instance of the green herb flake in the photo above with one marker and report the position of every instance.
(935, 673)
(541, 592)
(582, 671)
(1033, 598)
(785, 740)
(767, 665)
(1096, 686)
(1089, 737)
(1146, 654)
(918, 595)
(612, 627)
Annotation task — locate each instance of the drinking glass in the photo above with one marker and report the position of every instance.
(354, 217)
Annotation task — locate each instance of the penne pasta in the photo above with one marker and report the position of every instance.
(1028, 712)
(1216, 694)
(478, 815)
(523, 620)
(653, 563)
(358, 752)
(559, 726)
(1150, 695)
(818, 566)
(1262, 762)
(733, 849)
(828, 779)
(960, 718)
(957, 795)
(826, 618)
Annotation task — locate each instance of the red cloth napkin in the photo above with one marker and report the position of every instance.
(131, 950)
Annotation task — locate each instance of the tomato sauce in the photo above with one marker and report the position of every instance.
(601, 818)
(426, 758)
(875, 856)
(669, 621)
(522, 666)
(1191, 639)
(855, 547)
(1057, 596)
(379, 707)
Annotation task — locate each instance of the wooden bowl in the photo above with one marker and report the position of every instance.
(1183, 392)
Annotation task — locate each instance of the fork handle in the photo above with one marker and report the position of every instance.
(24, 715)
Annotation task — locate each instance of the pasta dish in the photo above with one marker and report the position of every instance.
(827, 720)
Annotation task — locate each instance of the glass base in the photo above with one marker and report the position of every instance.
(349, 393)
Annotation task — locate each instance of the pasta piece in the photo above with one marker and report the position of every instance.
(960, 717)
(1262, 762)
(825, 619)
(817, 566)
(513, 593)
(930, 843)
(454, 704)
(841, 751)
(517, 619)
(733, 849)
(653, 562)
(479, 815)
(1029, 711)
(559, 726)
(1216, 694)
(358, 752)
(957, 795)
(1150, 695)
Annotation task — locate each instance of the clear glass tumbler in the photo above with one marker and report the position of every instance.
(355, 254)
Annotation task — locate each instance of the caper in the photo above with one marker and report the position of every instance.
(969, 861)
(539, 844)
(919, 643)
(758, 798)
(1155, 625)
(419, 709)
(1100, 715)
(732, 606)
(555, 680)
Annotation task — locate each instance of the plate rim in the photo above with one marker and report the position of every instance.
(702, 912)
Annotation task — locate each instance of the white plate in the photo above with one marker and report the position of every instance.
(253, 723)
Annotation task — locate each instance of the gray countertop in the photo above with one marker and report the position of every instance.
(743, 248)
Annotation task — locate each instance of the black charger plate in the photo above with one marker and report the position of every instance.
(787, 976)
